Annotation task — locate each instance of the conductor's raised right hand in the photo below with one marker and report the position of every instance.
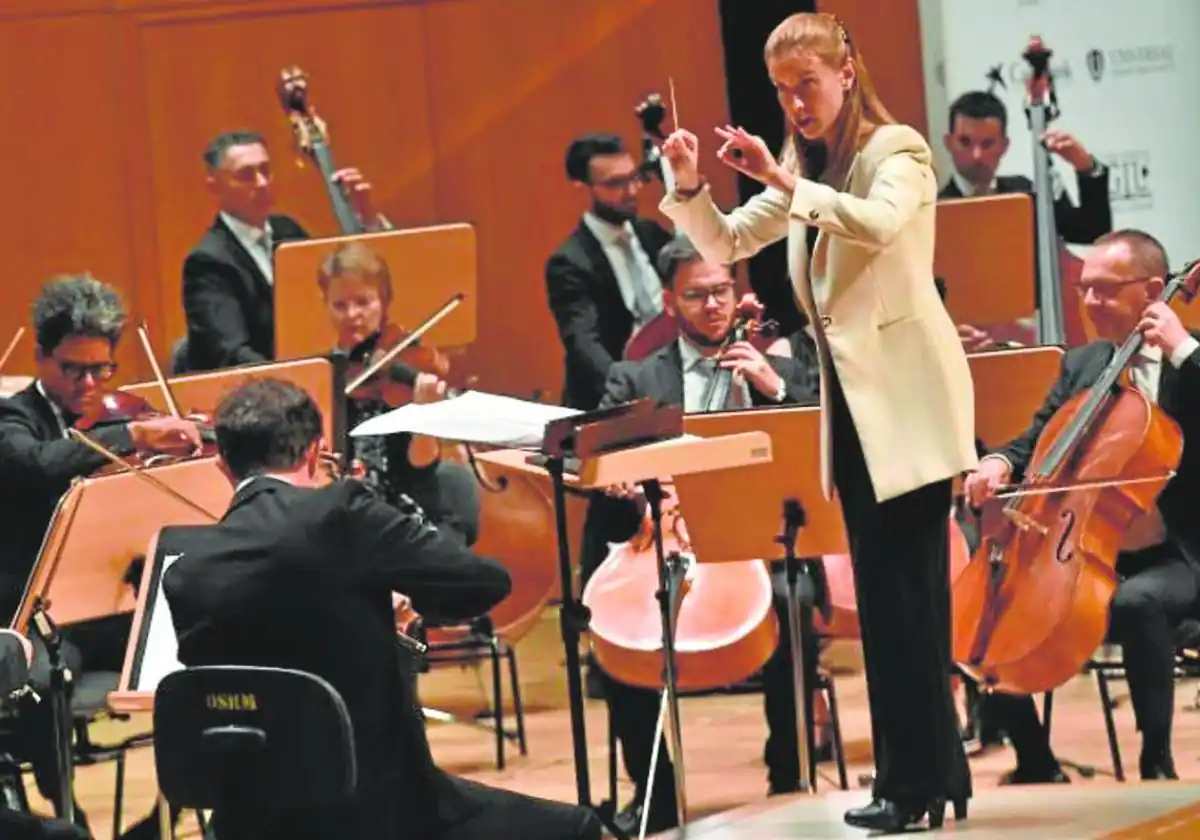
(682, 151)
(166, 435)
(982, 484)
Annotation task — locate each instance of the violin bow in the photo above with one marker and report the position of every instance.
(407, 342)
(1010, 491)
(144, 476)
(168, 396)
(12, 345)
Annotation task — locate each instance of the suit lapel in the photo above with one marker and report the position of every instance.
(668, 375)
(594, 251)
(238, 253)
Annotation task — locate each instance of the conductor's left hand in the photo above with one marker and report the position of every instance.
(747, 153)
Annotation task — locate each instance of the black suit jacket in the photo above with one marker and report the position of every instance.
(37, 466)
(303, 578)
(1080, 225)
(660, 377)
(593, 321)
(1178, 396)
(228, 303)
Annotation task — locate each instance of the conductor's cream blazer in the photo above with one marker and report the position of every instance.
(875, 311)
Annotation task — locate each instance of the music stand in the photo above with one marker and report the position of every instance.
(426, 265)
(1010, 386)
(645, 464)
(984, 250)
(802, 522)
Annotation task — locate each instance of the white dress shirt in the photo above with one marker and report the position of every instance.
(641, 288)
(256, 241)
(698, 371)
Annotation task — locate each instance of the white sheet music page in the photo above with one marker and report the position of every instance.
(472, 417)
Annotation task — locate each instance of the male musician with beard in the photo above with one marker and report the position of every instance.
(299, 575)
(1123, 275)
(77, 322)
(601, 281)
(700, 295)
(978, 140)
(228, 298)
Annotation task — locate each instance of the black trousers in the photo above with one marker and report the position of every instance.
(1160, 588)
(633, 712)
(502, 813)
(900, 551)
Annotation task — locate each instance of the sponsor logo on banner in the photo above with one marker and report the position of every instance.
(1130, 61)
(1129, 180)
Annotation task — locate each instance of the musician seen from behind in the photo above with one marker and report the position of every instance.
(854, 194)
(1159, 566)
(601, 283)
(299, 575)
(77, 323)
(228, 277)
(357, 289)
(699, 295)
(977, 141)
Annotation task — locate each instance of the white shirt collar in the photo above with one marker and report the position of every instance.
(243, 231)
(607, 232)
(248, 480)
(967, 189)
(689, 354)
(58, 414)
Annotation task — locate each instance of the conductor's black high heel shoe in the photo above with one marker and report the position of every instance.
(937, 811)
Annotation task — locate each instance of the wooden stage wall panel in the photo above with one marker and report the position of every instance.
(456, 110)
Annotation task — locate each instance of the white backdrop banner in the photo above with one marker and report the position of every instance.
(1127, 76)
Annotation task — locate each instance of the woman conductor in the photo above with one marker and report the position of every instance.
(856, 192)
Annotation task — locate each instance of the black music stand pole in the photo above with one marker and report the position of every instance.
(671, 574)
(573, 620)
(59, 699)
(800, 628)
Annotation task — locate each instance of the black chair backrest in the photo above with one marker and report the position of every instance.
(14, 667)
(265, 739)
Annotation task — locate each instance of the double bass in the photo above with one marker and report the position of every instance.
(516, 516)
(1032, 605)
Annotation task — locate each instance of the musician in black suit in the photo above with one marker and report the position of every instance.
(701, 298)
(978, 140)
(1123, 276)
(601, 281)
(228, 298)
(77, 322)
(301, 576)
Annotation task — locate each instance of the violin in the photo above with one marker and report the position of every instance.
(1033, 603)
(393, 384)
(726, 628)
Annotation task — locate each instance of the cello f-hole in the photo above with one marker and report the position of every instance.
(1062, 551)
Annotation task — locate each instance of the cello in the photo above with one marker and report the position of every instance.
(1032, 605)
(516, 516)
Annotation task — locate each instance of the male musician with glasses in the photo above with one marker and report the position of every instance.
(1159, 565)
(701, 298)
(77, 324)
(601, 282)
(299, 575)
(228, 277)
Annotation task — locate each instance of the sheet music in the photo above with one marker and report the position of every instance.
(472, 417)
(160, 656)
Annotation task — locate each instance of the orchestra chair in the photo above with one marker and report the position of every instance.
(252, 740)
(470, 644)
(1112, 667)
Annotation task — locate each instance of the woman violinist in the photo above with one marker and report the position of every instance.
(356, 286)
(77, 323)
(854, 194)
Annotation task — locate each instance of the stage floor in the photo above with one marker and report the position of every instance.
(1163, 811)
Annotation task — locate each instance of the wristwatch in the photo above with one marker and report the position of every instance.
(781, 393)
(1098, 169)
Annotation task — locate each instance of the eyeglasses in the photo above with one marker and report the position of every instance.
(721, 294)
(77, 371)
(620, 182)
(1107, 285)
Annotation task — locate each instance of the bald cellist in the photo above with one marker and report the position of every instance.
(700, 295)
(1159, 566)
